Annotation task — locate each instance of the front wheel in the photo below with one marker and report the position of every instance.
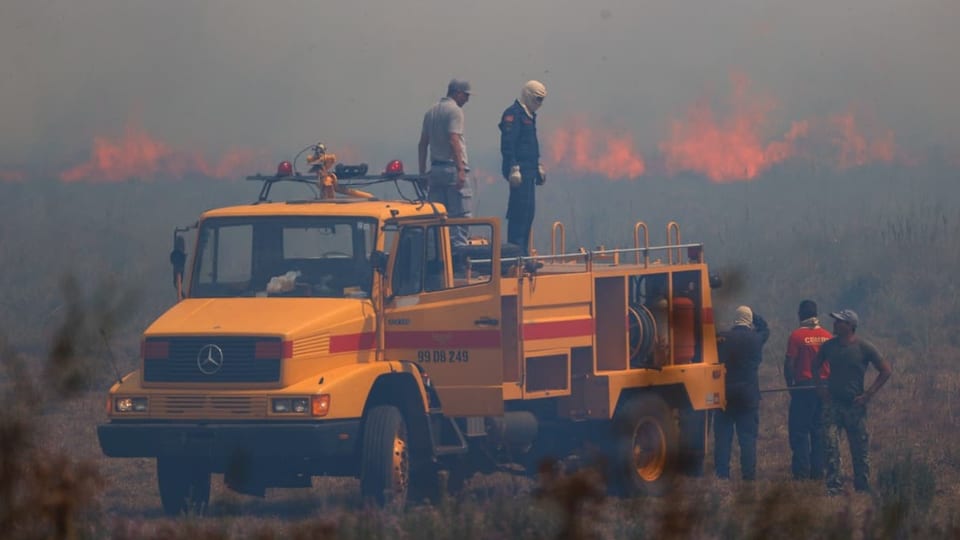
(385, 461)
(184, 485)
(647, 442)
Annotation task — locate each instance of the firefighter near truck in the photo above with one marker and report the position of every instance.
(345, 335)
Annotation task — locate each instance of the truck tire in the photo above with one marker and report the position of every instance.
(385, 457)
(647, 443)
(184, 485)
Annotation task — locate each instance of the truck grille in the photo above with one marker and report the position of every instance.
(237, 365)
(198, 406)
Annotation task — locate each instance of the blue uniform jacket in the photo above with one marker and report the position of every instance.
(519, 146)
(741, 350)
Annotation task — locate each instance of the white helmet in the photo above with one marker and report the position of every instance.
(532, 95)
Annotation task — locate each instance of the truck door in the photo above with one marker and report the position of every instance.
(444, 310)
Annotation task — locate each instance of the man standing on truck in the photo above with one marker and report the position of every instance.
(741, 350)
(442, 132)
(521, 165)
(844, 399)
(804, 418)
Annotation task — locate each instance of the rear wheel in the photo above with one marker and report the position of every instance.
(647, 445)
(184, 485)
(385, 462)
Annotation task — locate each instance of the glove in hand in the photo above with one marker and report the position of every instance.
(514, 178)
(543, 175)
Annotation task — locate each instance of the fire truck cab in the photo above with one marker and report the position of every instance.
(381, 339)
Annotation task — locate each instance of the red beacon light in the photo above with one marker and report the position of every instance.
(394, 168)
(284, 169)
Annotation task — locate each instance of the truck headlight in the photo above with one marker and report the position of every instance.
(130, 404)
(290, 405)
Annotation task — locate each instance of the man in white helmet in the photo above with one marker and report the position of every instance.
(521, 161)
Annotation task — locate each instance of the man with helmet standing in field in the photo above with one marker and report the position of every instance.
(844, 399)
(521, 165)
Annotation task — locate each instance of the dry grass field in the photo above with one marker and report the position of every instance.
(79, 285)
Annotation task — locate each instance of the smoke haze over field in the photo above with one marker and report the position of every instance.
(812, 147)
(216, 85)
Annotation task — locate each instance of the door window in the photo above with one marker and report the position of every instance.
(422, 262)
(408, 267)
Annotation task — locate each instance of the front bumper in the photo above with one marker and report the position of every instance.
(221, 440)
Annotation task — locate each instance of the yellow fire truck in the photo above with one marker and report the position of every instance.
(380, 339)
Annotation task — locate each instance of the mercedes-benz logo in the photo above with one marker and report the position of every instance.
(210, 359)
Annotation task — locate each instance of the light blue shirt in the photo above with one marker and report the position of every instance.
(439, 122)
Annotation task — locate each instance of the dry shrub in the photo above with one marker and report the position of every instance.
(46, 493)
(43, 494)
(906, 489)
(578, 497)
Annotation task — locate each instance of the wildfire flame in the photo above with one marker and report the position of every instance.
(730, 148)
(588, 150)
(137, 154)
(731, 145)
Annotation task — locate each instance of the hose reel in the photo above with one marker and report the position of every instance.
(643, 332)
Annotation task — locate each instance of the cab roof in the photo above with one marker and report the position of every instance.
(374, 208)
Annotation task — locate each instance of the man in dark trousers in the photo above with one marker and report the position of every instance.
(521, 161)
(741, 350)
(844, 399)
(804, 419)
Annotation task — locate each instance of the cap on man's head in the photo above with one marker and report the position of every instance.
(846, 315)
(458, 85)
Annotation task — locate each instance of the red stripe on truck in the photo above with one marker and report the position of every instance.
(352, 342)
(463, 339)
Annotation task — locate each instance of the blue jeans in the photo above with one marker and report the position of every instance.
(805, 425)
(746, 423)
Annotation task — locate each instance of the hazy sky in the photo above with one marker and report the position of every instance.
(278, 75)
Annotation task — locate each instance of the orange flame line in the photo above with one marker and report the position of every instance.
(139, 155)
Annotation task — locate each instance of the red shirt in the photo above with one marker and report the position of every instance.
(802, 346)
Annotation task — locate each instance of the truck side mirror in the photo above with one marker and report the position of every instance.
(378, 260)
(715, 281)
(178, 259)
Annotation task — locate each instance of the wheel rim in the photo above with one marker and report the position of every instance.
(401, 461)
(649, 449)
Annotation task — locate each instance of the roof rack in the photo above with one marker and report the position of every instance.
(343, 179)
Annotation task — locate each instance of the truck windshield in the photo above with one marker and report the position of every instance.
(284, 256)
